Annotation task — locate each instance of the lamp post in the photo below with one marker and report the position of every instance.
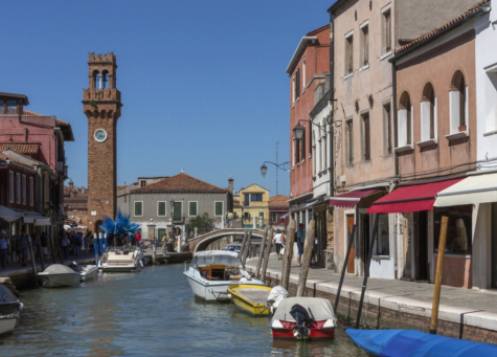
(283, 166)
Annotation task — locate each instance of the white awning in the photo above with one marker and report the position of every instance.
(8, 214)
(471, 190)
(33, 217)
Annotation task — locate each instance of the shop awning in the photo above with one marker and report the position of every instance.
(8, 214)
(471, 190)
(44, 221)
(34, 217)
(411, 198)
(352, 198)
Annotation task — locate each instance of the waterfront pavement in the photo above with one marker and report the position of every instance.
(470, 307)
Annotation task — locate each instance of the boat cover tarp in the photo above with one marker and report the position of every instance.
(210, 257)
(8, 301)
(318, 308)
(403, 343)
(58, 269)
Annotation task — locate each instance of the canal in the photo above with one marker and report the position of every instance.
(152, 313)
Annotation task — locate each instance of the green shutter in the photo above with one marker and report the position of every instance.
(162, 209)
(219, 208)
(138, 209)
(193, 209)
(177, 214)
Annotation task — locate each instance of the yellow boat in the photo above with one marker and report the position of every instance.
(251, 298)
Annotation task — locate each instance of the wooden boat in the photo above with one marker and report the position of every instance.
(304, 318)
(10, 310)
(402, 343)
(59, 276)
(213, 271)
(251, 298)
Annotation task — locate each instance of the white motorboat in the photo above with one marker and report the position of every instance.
(212, 272)
(58, 276)
(122, 259)
(86, 272)
(10, 310)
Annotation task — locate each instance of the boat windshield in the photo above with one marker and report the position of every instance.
(218, 259)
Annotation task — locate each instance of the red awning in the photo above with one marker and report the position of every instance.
(351, 199)
(412, 198)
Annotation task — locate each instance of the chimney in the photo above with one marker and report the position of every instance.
(231, 184)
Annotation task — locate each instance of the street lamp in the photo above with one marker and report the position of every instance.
(283, 166)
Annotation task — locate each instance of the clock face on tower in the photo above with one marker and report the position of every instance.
(100, 135)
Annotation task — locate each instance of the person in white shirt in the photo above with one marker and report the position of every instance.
(279, 241)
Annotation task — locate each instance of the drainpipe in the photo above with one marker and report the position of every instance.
(396, 160)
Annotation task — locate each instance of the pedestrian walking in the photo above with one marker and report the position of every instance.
(4, 249)
(279, 241)
(300, 238)
(65, 243)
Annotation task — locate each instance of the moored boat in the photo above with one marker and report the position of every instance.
(251, 298)
(59, 276)
(401, 343)
(304, 318)
(86, 272)
(10, 310)
(212, 272)
(122, 259)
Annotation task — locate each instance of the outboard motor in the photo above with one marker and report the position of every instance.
(303, 321)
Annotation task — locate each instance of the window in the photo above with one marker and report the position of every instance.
(138, 208)
(383, 244)
(105, 79)
(193, 208)
(161, 208)
(428, 114)
(325, 146)
(246, 199)
(11, 187)
(387, 128)
(304, 79)
(364, 46)
(97, 80)
(143, 183)
(387, 31)
(458, 229)
(404, 129)
(18, 188)
(314, 161)
(161, 233)
(256, 197)
(24, 185)
(31, 191)
(366, 137)
(177, 211)
(219, 208)
(350, 142)
(349, 54)
(458, 104)
(491, 115)
(297, 84)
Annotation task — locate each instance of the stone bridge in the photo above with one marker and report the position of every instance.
(202, 242)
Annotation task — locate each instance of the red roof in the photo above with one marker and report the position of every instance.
(351, 199)
(278, 202)
(21, 148)
(411, 198)
(181, 183)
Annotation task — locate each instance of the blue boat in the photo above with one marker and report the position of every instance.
(412, 343)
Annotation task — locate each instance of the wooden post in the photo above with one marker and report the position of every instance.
(442, 242)
(287, 259)
(243, 247)
(246, 252)
(345, 264)
(267, 252)
(367, 265)
(261, 256)
(308, 246)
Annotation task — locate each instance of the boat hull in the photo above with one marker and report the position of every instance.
(246, 304)
(207, 290)
(89, 274)
(8, 324)
(66, 280)
(315, 334)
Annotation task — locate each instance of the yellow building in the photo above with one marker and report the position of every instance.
(251, 205)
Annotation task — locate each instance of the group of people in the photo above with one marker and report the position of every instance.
(19, 248)
(279, 240)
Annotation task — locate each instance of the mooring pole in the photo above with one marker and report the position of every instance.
(243, 247)
(442, 242)
(267, 252)
(261, 256)
(366, 271)
(308, 246)
(287, 259)
(247, 249)
(345, 265)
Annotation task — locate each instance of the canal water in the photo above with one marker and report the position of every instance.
(151, 313)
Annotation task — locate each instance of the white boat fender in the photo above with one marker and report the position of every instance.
(276, 296)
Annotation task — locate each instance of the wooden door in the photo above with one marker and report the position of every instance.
(351, 262)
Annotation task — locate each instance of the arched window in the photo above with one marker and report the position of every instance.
(97, 80)
(404, 121)
(428, 114)
(458, 104)
(105, 79)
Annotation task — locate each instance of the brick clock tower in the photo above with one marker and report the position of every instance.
(102, 106)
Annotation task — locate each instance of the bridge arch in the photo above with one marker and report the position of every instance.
(201, 242)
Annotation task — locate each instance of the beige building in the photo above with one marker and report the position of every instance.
(366, 34)
(251, 206)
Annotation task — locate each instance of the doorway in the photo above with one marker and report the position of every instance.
(493, 237)
(421, 245)
(365, 240)
(350, 227)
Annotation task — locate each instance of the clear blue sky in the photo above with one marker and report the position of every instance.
(203, 82)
